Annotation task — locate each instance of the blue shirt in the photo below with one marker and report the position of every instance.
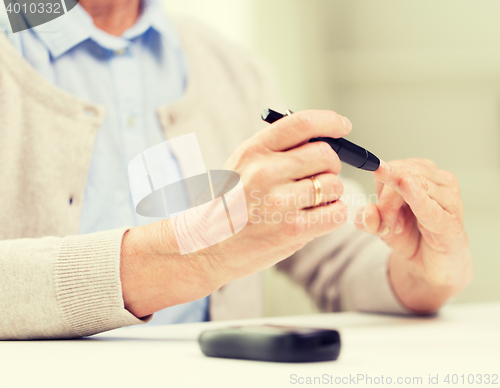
(131, 76)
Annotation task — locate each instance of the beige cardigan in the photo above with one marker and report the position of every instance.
(57, 284)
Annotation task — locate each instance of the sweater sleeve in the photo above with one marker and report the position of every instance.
(346, 269)
(62, 287)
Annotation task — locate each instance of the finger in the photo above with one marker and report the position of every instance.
(388, 174)
(439, 177)
(303, 191)
(324, 219)
(298, 128)
(396, 177)
(429, 213)
(428, 169)
(389, 205)
(368, 219)
(421, 167)
(310, 159)
(447, 198)
(378, 188)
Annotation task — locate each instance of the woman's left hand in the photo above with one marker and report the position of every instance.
(420, 216)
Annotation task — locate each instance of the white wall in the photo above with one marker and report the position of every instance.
(234, 19)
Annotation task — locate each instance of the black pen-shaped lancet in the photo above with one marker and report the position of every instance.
(347, 151)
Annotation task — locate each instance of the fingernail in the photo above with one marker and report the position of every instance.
(347, 123)
(399, 226)
(384, 229)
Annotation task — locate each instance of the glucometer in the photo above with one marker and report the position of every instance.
(347, 151)
(271, 343)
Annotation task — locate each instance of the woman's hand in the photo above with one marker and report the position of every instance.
(275, 166)
(420, 216)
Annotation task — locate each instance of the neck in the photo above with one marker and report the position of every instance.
(113, 16)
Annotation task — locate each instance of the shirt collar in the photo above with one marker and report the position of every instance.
(64, 33)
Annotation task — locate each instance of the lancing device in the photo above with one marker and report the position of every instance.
(347, 151)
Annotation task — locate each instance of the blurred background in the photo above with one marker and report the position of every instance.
(418, 78)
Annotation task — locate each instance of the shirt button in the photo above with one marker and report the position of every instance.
(131, 121)
(119, 52)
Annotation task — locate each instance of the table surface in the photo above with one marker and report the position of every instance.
(461, 340)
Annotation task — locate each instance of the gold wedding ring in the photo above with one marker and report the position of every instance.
(317, 191)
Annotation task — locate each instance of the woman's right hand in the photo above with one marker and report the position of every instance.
(275, 166)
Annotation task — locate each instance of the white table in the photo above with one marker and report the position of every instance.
(462, 340)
